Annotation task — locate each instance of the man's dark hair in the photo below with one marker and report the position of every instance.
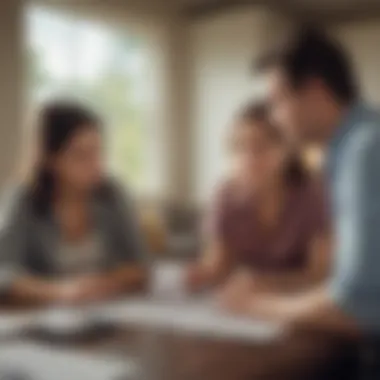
(312, 54)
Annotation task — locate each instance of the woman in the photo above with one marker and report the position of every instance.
(71, 233)
(268, 218)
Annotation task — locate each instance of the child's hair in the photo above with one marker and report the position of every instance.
(256, 114)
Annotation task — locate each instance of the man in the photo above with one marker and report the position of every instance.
(313, 95)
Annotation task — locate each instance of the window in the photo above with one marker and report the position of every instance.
(103, 65)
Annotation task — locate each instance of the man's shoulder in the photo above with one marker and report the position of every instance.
(360, 150)
(365, 135)
(370, 114)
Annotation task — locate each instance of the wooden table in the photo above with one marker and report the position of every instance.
(179, 356)
(176, 356)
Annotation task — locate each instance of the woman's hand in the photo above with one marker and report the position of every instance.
(70, 291)
(237, 293)
(197, 277)
(83, 289)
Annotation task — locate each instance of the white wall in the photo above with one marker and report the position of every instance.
(363, 41)
(178, 146)
(11, 86)
(223, 48)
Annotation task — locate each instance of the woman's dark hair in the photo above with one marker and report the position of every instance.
(57, 123)
(256, 113)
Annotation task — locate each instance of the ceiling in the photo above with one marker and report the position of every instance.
(308, 9)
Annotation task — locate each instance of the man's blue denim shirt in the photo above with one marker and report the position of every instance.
(353, 168)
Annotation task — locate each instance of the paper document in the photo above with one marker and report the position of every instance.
(191, 316)
(59, 320)
(16, 323)
(27, 361)
(168, 281)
